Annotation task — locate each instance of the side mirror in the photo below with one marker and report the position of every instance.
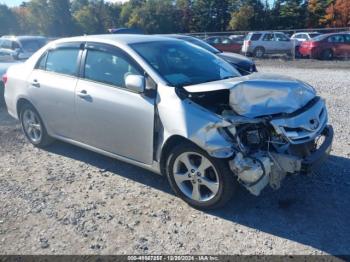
(135, 83)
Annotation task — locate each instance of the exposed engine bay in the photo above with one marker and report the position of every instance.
(274, 131)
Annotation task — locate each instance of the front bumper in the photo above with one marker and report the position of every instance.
(312, 161)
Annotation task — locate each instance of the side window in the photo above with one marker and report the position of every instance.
(268, 37)
(63, 61)
(255, 37)
(281, 37)
(216, 40)
(226, 41)
(41, 64)
(6, 44)
(347, 39)
(109, 68)
(336, 39)
(302, 36)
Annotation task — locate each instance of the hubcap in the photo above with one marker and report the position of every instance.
(196, 176)
(259, 53)
(32, 126)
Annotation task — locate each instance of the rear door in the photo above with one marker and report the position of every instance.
(346, 46)
(337, 44)
(51, 86)
(268, 42)
(110, 116)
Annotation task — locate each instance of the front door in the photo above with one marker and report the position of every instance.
(283, 43)
(109, 116)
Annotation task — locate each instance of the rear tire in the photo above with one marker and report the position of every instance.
(297, 52)
(200, 180)
(259, 52)
(327, 54)
(33, 127)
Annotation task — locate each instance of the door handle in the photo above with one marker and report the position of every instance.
(35, 83)
(83, 94)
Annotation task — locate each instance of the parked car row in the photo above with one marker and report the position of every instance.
(303, 44)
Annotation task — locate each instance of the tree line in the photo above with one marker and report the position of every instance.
(75, 17)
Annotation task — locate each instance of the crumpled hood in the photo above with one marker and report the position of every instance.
(261, 94)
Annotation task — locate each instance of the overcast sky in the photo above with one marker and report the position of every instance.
(18, 2)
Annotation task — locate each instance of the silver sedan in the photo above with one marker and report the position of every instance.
(173, 108)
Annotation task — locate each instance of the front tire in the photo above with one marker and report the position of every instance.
(200, 180)
(33, 127)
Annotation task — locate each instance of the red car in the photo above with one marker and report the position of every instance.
(327, 46)
(225, 44)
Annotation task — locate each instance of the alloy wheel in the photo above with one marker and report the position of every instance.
(196, 176)
(32, 125)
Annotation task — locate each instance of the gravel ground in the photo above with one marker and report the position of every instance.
(66, 200)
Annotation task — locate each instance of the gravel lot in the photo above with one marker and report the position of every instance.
(66, 200)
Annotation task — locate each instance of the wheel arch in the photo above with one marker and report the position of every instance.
(20, 103)
(259, 47)
(168, 146)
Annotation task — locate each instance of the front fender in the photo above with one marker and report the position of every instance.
(184, 118)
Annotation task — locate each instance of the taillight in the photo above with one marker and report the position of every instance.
(4, 78)
(313, 43)
(248, 42)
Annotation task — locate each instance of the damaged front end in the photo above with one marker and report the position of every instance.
(276, 127)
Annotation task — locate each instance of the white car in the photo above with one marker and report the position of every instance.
(304, 36)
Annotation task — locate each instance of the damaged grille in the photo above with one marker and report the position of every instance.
(305, 126)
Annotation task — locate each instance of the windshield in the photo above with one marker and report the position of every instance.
(32, 45)
(202, 44)
(319, 38)
(181, 63)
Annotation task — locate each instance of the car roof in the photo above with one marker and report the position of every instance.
(177, 36)
(337, 33)
(124, 39)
